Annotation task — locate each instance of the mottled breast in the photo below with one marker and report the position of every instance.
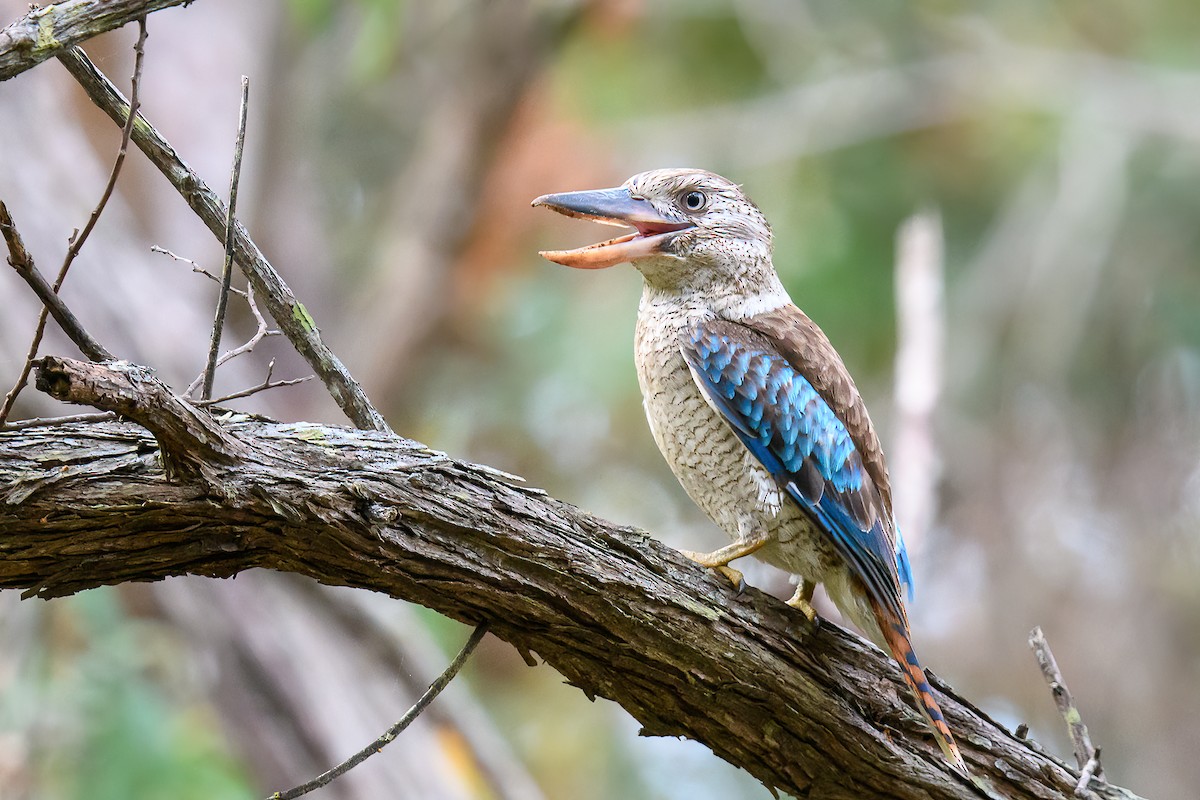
(715, 469)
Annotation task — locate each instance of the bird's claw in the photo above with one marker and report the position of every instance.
(804, 607)
(802, 600)
(735, 577)
(706, 560)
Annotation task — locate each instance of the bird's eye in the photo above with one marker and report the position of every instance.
(694, 201)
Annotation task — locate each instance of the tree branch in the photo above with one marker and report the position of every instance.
(190, 440)
(616, 612)
(47, 32)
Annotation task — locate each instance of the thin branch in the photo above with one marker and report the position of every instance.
(48, 31)
(210, 371)
(262, 387)
(398, 643)
(260, 333)
(288, 312)
(76, 241)
(196, 268)
(18, 254)
(43, 422)
(1080, 740)
(391, 733)
(22, 262)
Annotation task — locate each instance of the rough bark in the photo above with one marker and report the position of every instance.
(47, 32)
(813, 713)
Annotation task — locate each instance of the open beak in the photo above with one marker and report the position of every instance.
(612, 207)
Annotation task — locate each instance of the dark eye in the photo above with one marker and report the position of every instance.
(694, 201)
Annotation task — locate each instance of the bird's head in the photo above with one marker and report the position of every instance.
(695, 231)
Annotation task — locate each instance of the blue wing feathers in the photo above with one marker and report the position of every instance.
(797, 437)
(903, 567)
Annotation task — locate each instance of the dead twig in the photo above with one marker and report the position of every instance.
(196, 268)
(1086, 756)
(262, 387)
(42, 422)
(210, 369)
(76, 245)
(391, 733)
(77, 240)
(260, 333)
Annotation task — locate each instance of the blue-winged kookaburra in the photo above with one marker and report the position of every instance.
(751, 406)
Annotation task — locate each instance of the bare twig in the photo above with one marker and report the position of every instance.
(17, 254)
(196, 268)
(390, 734)
(289, 313)
(260, 333)
(262, 387)
(1080, 741)
(42, 422)
(22, 262)
(76, 241)
(401, 644)
(210, 370)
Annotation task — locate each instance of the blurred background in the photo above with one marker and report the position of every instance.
(1043, 422)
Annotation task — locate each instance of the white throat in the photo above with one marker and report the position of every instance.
(746, 304)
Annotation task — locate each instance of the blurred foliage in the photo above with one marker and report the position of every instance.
(110, 712)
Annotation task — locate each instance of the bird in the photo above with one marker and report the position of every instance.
(752, 407)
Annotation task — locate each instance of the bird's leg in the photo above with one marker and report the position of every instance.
(802, 599)
(719, 559)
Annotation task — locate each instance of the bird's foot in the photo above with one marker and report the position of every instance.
(802, 600)
(713, 561)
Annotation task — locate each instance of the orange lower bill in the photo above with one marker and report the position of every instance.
(607, 254)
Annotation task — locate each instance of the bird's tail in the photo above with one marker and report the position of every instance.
(895, 634)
